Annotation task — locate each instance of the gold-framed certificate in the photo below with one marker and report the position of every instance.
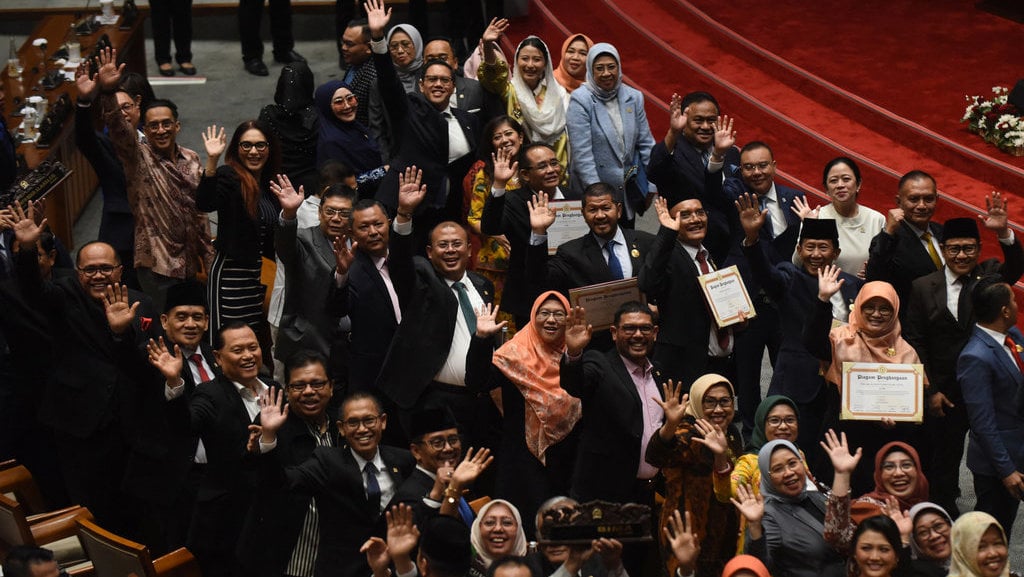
(568, 225)
(873, 391)
(600, 301)
(727, 296)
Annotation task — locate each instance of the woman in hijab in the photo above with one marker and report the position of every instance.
(785, 523)
(497, 532)
(745, 566)
(980, 548)
(572, 69)
(899, 485)
(293, 120)
(405, 45)
(538, 445)
(929, 543)
(872, 336)
(344, 139)
(696, 441)
(608, 132)
(532, 95)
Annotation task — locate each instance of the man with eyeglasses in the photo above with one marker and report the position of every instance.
(467, 95)
(352, 484)
(429, 133)
(939, 323)
(172, 238)
(308, 258)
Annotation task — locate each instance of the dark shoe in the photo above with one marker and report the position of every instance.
(168, 71)
(288, 57)
(257, 67)
(187, 68)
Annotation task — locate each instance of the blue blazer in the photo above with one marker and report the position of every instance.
(597, 153)
(991, 382)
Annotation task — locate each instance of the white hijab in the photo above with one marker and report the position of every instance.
(544, 123)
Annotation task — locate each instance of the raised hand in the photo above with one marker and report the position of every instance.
(995, 219)
(273, 413)
(377, 18)
(505, 167)
(751, 216)
(843, 462)
(683, 540)
(712, 437)
(402, 533)
(902, 518)
(252, 445)
(541, 216)
(377, 556)
(289, 198)
(109, 74)
(749, 504)
(215, 142)
(26, 230)
(610, 551)
(410, 192)
(803, 208)
(674, 405)
(665, 217)
(829, 282)
(87, 85)
(577, 331)
(343, 254)
(486, 321)
(167, 360)
(471, 467)
(120, 313)
(725, 136)
(494, 30)
(893, 219)
(677, 116)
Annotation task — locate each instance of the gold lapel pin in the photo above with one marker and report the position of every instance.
(634, 253)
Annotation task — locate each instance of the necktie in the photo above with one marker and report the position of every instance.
(721, 334)
(466, 306)
(198, 360)
(963, 299)
(613, 261)
(702, 261)
(1013, 351)
(768, 226)
(927, 238)
(372, 486)
(705, 157)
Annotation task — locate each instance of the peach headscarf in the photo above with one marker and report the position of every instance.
(532, 366)
(745, 563)
(857, 343)
(568, 81)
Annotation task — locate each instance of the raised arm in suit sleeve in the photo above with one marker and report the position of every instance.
(214, 192)
(774, 281)
(285, 240)
(85, 137)
(817, 330)
(492, 220)
(392, 93)
(880, 254)
(1013, 261)
(654, 278)
(976, 375)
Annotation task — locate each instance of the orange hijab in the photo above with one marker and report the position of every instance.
(532, 366)
(857, 343)
(745, 563)
(568, 81)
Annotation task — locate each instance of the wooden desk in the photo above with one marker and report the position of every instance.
(66, 203)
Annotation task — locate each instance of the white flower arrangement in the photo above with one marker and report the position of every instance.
(996, 120)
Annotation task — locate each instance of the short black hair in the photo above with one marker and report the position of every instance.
(629, 307)
(303, 358)
(161, 103)
(434, 62)
(363, 24)
(331, 172)
(510, 561)
(20, 560)
(915, 175)
(755, 145)
(526, 148)
(218, 337)
(359, 396)
(600, 189)
(137, 85)
(989, 296)
(368, 203)
(888, 529)
(698, 97)
(339, 190)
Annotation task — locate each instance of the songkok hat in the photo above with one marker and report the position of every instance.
(426, 421)
(445, 540)
(820, 229)
(961, 228)
(187, 293)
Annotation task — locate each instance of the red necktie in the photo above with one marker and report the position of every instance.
(198, 360)
(1013, 351)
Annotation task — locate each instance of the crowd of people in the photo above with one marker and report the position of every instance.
(421, 395)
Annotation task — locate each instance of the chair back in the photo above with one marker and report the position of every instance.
(16, 483)
(112, 555)
(14, 529)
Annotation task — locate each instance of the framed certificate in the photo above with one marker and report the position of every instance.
(727, 296)
(872, 391)
(568, 225)
(600, 301)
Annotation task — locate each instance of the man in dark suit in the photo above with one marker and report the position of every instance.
(938, 325)
(608, 253)
(688, 343)
(698, 140)
(779, 234)
(430, 133)
(989, 372)
(308, 258)
(468, 94)
(291, 516)
(221, 412)
(353, 485)
(908, 248)
(509, 215)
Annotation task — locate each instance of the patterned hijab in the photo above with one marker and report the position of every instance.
(533, 367)
(965, 536)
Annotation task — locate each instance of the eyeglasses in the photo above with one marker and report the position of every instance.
(790, 465)
(492, 522)
(347, 99)
(126, 106)
(368, 422)
(750, 166)
(902, 465)
(955, 249)
(259, 146)
(403, 45)
(553, 163)
(688, 214)
(883, 310)
(298, 387)
(166, 124)
(442, 80)
(105, 270)
(776, 421)
(545, 315)
(445, 244)
(939, 528)
(333, 212)
(438, 443)
(711, 403)
(645, 330)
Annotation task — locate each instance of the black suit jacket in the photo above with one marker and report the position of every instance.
(581, 262)
(508, 215)
(470, 96)
(275, 510)
(935, 334)
(611, 429)
(423, 340)
(900, 259)
(308, 258)
(117, 225)
(412, 492)
(347, 518)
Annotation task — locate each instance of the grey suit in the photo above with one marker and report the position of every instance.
(470, 96)
(793, 543)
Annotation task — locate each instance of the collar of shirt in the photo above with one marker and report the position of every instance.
(772, 194)
(691, 250)
(950, 277)
(433, 476)
(246, 392)
(619, 238)
(998, 337)
(361, 462)
(379, 261)
(633, 368)
(918, 231)
(541, 86)
(464, 280)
